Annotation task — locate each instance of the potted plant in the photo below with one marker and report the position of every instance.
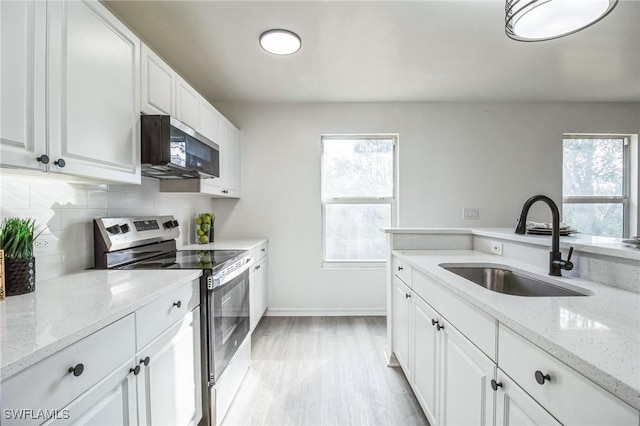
(16, 239)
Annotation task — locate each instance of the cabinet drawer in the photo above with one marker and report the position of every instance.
(567, 395)
(476, 325)
(261, 251)
(49, 384)
(402, 270)
(154, 318)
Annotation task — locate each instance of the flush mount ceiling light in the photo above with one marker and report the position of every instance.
(280, 42)
(538, 20)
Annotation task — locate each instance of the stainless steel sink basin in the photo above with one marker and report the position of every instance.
(503, 280)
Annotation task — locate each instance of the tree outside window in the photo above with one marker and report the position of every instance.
(595, 184)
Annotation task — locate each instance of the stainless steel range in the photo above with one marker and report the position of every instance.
(150, 243)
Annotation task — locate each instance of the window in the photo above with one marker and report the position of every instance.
(595, 184)
(358, 196)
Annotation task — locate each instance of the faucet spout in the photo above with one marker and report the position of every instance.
(556, 264)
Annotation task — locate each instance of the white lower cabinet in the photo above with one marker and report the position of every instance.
(110, 402)
(102, 379)
(169, 386)
(465, 393)
(515, 408)
(402, 330)
(425, 357)
(447, 349)
(258, 289)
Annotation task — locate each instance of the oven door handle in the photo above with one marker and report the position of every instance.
(220, 280)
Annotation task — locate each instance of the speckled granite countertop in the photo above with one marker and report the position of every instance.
(66, 309)
(598, 335)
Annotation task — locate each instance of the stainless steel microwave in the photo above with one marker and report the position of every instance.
(172, 150)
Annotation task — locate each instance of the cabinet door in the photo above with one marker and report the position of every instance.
(169, 386)
(515, 408)
(402, 303)
(110, 402)
(261, 283)
(425, 357)
(232, 161)
(253, 307)
(158, 83)
(93, 93)
(210, 122)
(466, 396)
(22, 83)
(188, 104)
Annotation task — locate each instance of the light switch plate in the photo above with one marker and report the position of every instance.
(470, 213)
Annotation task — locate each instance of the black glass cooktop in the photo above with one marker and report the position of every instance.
(188, 259)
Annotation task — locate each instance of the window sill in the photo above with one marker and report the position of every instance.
(354, 265)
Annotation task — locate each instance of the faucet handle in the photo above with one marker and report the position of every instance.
(570, 253)
(566, 264)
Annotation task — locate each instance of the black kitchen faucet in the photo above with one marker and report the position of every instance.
(556, 264)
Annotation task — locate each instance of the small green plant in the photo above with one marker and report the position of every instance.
(17, 236)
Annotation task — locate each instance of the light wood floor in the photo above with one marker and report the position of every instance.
(323, 371)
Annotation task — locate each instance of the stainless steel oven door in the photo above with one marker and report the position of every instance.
(228, 307)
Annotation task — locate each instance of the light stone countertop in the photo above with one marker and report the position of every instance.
(64, 310)
(598, 335)
(606, 246)
(228, 244)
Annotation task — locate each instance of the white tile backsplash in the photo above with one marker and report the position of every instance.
(67, 210)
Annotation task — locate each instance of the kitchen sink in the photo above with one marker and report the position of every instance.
(503, 279)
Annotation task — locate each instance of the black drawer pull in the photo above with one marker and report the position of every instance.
(541, 378)
(44, 159)
(60, 162)
(145, 361)
(177, 304)
(135, 370)
(495, 385)
(77, 370)
(439, 327)
(400, 268)
(407, 295)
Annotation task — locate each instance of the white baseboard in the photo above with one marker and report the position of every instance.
(323, 312)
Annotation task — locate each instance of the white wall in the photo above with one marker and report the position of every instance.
(67, 210)
(452, 155)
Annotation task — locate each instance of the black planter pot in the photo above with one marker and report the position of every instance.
(20, 276)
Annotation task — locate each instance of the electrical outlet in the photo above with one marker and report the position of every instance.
(470, 213)
(43, 242)
(496, 248)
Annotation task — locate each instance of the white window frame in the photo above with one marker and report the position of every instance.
(623, 199)
(393, 200)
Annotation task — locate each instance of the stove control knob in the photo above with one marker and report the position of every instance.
(124, 228)
(171, 224)
(115, 229)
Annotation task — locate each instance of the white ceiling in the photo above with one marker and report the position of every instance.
(384, 51)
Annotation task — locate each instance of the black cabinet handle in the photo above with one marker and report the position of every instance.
(437, 324)
(177, 304)
(439, 327)
(135, 370)
(44, 159)
(77, 370)
(541, 378)
(495, 385)
(145, 361)
(60, 162)
(263, 249)
(400, 268)
(434, 322)
(407, 296)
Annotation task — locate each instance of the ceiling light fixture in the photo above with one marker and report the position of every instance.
(280, 42)
(538, 20)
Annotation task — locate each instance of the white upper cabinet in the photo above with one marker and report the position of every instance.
(210, 122)
(22, 84)
(93, 98)
(158, 84)
(188, 104)
(231, 171)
